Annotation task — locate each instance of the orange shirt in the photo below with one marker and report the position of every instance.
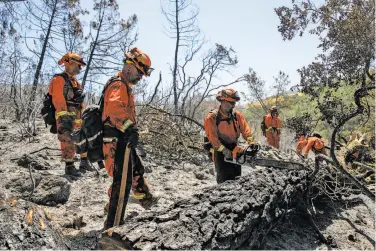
(225, 130)
(119, 104)
(272, 122)
(316, 144)
(56, 90)
(302, 142)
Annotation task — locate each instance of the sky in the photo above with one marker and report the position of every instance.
(250, 27)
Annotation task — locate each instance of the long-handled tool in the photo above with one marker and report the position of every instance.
(123, 184)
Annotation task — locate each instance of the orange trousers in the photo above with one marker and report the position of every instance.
(273, 139)
(136, 169)
(66, 143)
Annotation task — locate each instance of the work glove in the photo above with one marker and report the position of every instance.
(238, 150)
(80, 99)
(227, 153)
(250, 140)
(79, 96)
(65, 124)
(278, 131)
(132, 136)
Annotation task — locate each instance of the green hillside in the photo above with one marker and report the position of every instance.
(297, 104)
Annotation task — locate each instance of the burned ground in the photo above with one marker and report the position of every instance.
(180, 186)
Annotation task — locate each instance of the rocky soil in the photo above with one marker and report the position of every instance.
(75, 207)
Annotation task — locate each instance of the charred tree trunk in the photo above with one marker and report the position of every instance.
(174, 73)
(227, 216)
(95, 43)
(41, 59)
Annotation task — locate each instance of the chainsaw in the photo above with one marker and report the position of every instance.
(249, 157)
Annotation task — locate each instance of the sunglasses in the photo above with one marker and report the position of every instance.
(139, 71)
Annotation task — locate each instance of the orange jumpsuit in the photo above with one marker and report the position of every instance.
(226, 134)
(118, 115)
(273, 129)
(302, 142)
(63, 98)
(316, 144)
(119, 111)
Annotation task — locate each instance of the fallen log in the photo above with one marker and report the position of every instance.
(227, 216)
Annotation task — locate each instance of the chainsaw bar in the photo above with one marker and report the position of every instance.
(282, 164)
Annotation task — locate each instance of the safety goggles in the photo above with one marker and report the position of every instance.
(230, 97)
(141, 68)
(78, 61)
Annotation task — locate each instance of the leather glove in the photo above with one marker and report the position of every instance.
(227, 153)
(250, 140)
(65, 124)
(132, 136)
(238, 150)
(79, 96)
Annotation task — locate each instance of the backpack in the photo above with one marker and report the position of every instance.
(48, 110)
(89, 138)
(263, 126)
(207, 145)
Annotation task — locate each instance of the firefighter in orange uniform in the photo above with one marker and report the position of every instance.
(67, 98)
(302, 142)
(120, 132)
(273, 127)
(223, 127)
(316, 144)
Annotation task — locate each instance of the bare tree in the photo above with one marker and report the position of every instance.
(72, 32)
(181, 16)
(256, 87)
(46, 18)
(195, 89)
(109, 37)
(281, 83)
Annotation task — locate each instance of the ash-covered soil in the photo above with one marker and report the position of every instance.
(76, 206)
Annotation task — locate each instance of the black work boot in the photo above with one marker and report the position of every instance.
(71, 170)
(85, 166)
